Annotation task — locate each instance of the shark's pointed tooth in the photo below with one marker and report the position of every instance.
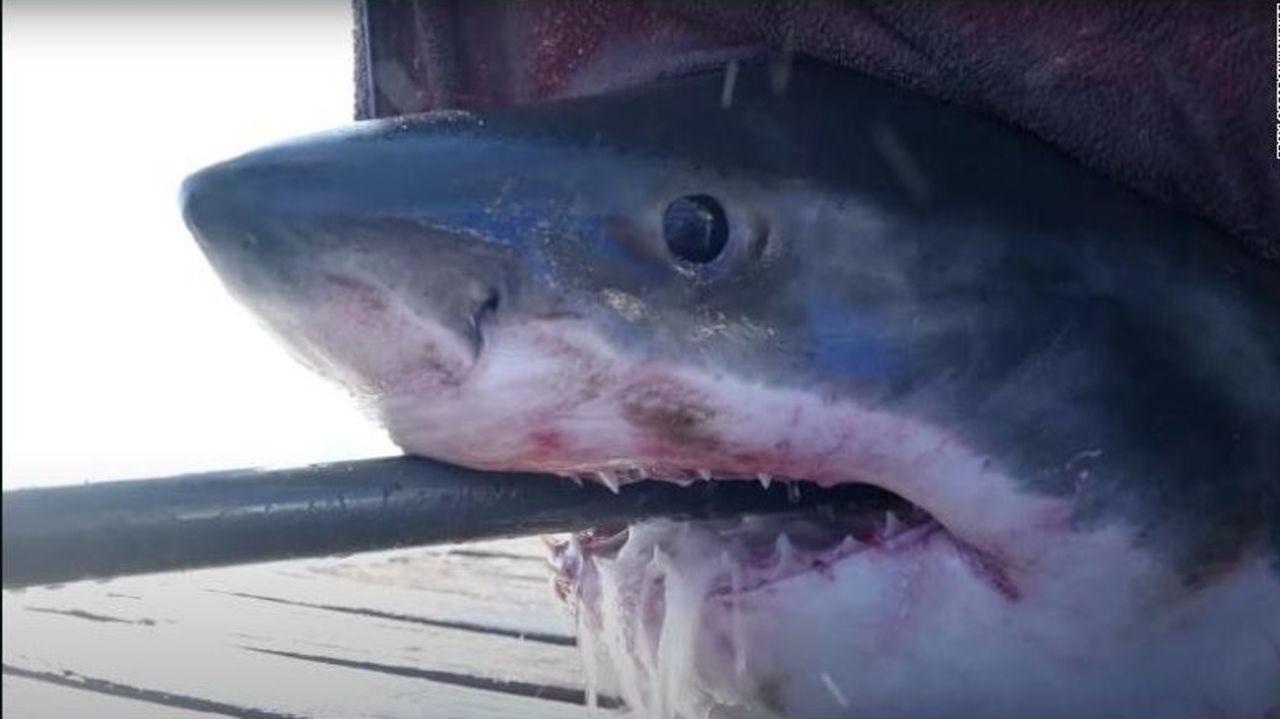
(783, 550)
(609, 481)
(849, 545)
(765, 479)
(892, 525)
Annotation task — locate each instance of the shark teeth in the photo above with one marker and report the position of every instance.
(741, 553)
(784, 553)
(571, 477)
(849, 545)
(892, 525)
(761, 550)
(609, 481)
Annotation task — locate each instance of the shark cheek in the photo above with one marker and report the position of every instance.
(366, 340)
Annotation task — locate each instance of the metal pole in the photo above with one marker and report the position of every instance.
(109, 529)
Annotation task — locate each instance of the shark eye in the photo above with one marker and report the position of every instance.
(695, 228)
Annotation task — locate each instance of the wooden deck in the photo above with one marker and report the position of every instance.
(469, 631)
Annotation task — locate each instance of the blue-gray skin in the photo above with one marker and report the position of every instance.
(1113, 357)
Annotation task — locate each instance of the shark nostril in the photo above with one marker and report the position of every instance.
(490, 304)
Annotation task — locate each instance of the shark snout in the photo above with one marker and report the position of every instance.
(255, 220)
(361, 251)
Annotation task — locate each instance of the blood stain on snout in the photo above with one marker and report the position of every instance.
(672, 414)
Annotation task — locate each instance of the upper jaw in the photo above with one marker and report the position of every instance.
(590, 414)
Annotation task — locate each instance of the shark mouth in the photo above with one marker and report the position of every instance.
(767, 548)
(672, 610)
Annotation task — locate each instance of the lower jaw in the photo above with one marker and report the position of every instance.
(752, 559)
(652, 597)
(695, 614)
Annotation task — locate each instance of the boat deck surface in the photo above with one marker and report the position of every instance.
(465, 631)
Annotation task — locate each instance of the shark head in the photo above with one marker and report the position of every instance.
(1070, 397)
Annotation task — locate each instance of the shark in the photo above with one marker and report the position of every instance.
(1065, 396)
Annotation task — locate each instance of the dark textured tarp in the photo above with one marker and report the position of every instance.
(1175, 99)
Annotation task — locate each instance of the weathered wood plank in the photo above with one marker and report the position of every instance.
(25, 698)
(471, 633)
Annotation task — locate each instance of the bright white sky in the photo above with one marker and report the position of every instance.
(123, 355)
